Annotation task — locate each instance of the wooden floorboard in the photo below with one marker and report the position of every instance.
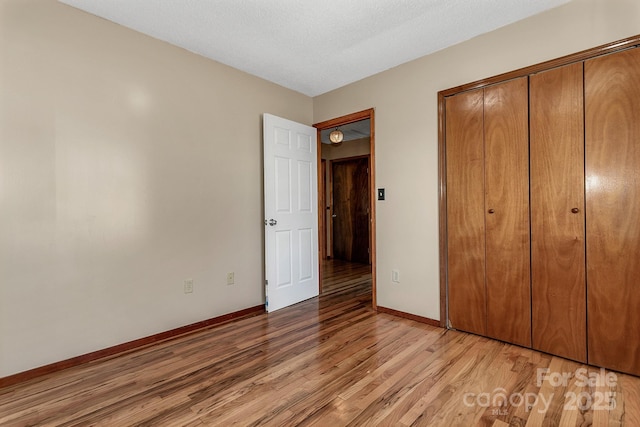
(328, 361)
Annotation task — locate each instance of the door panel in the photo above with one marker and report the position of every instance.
(612, 133)
(350, 182)
(291, 212)
(360, 210)
(283, 250)
(506, 134)
(324, 212)
(558, 288)
(465, 212)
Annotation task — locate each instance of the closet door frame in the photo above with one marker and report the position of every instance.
(605, 49)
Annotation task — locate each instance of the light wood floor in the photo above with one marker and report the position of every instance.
(329, 361)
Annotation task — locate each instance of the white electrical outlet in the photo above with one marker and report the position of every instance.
(188, 286)
(230, 278)
(395, 276)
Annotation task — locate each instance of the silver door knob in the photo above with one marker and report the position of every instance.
(272, 222)
(334, 215)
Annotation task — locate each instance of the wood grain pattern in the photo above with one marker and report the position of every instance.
(465, 212)
(125, 347)
(372, 211)
(612, 97)
(506, 135)
(558, 282)
(328, 361)
(442, 210)
(343, 120)
(341, 275)
(350, 184)
(606, 49)
(322, 213)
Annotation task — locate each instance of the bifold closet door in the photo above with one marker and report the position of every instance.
(465, 212)
(488, 257)
(612, 134)
(506, 138)
(558, 286)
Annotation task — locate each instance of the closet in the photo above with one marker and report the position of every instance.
(489, 201)
(541, 199)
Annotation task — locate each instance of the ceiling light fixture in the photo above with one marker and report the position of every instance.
(336, 136)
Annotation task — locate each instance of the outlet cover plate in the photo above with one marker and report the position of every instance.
(395, 276)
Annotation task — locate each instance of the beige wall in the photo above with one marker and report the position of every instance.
(126, 166)
(405, 100)
(356, 147)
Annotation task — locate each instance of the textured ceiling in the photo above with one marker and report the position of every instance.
(313, 46)
(351, 131)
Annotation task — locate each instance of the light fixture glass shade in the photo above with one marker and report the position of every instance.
(336, 136)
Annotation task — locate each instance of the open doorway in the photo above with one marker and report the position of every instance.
(346, 194)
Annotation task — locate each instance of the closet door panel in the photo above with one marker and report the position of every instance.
(558, 287)
(465, 212)
(612, 135)
(506, 110)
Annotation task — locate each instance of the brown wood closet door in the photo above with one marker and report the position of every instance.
(612, 131)
(351, 210)
(465, 211)
(506, 130)
(558, 286)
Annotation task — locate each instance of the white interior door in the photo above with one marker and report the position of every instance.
(291, 212)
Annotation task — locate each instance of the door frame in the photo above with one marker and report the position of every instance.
(333, 123)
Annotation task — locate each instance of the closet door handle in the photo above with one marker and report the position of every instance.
(575, 210)
(491, 211)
